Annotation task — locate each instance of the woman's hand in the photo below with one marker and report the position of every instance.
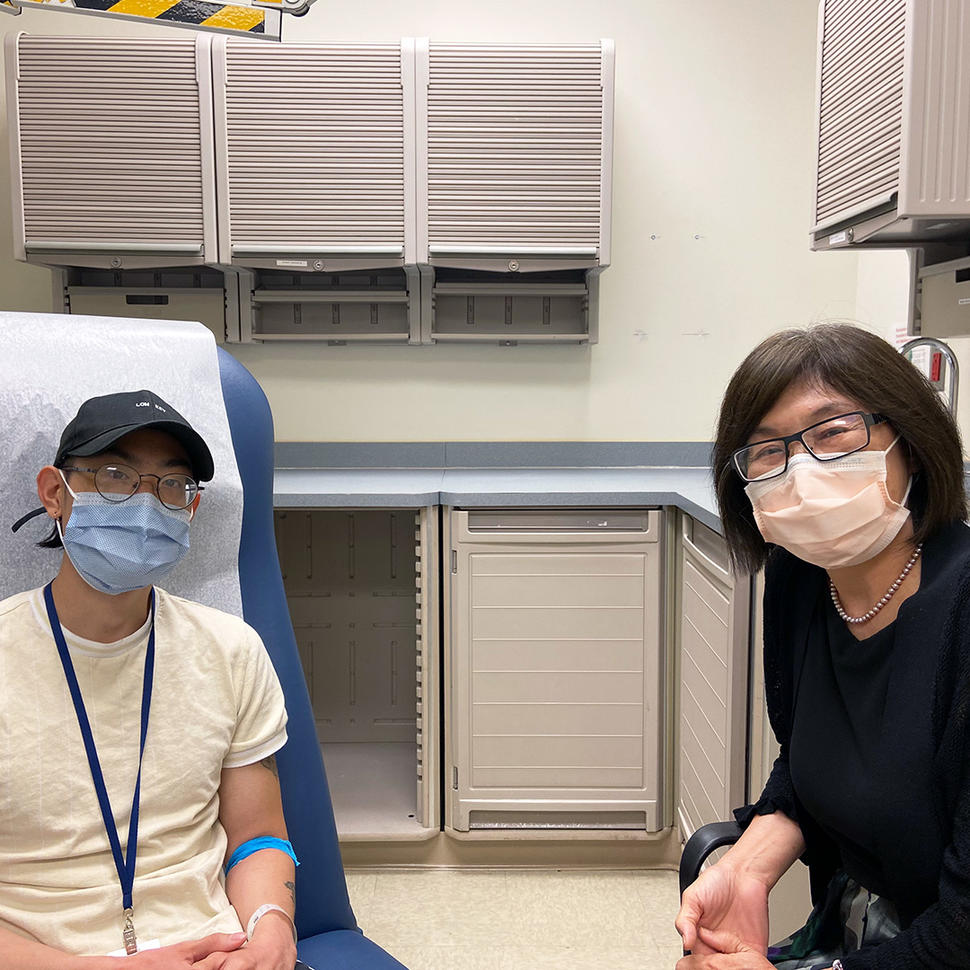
(732, 896)
(724, 950)
(728, 906)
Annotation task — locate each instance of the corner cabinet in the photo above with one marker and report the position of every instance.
(553, 686)
(714, 659)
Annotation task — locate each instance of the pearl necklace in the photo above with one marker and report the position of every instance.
(869, 614)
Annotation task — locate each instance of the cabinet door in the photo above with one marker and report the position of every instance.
(514, 152)
(713, 641)
(554, 670)
(314, 154)
(112, 153)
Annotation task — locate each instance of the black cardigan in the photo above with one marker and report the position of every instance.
(939, 936)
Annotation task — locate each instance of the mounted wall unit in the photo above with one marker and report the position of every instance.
(514, 178)
(376, 305)
(514, 155)
(111, 149)
(408, 192)
(893, 162)
(315, 155)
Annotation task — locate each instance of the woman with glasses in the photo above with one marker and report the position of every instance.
(839, 470)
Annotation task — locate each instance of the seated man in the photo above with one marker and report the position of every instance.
(137, 729)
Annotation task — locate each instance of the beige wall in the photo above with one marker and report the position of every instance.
(714, 104)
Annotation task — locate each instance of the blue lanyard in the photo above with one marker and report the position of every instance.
(125, 864)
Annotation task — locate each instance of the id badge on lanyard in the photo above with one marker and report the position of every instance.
(124, 863)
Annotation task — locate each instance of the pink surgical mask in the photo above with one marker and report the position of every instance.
(831, 513)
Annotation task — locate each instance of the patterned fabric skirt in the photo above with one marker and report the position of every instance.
(849, 919)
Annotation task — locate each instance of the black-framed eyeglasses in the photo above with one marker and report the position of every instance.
(117, 483)
(829, 439)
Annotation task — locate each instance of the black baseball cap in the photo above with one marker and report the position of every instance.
(101, 421)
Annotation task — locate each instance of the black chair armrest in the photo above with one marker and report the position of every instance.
(701, 844)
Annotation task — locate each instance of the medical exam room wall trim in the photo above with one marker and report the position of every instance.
(500, 454)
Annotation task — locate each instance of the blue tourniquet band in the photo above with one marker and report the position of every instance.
(245, 850)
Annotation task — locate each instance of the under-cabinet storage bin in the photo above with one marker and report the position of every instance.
(351, 306)
(362, 592)
(554, 689)
(177, 293)
(467, 305)
(714, 658)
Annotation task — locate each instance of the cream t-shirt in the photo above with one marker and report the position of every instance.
(216, 704)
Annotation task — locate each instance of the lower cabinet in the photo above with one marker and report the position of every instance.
(362, 589)
(580, 671)
(713, 658)
(553, 670)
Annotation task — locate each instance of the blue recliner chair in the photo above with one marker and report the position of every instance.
(329, 937)
(39, 393)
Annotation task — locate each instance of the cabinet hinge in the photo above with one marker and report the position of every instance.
(454, 560)
(454, 777)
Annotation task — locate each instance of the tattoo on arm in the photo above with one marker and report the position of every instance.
(292, 888)
(270, 765)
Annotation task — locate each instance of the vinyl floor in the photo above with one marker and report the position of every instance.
(451, 919)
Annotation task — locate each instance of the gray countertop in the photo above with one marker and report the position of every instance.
(687, 488)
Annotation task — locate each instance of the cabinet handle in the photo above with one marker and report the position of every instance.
(715, 569)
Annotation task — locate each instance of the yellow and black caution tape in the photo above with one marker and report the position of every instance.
(228, 17)
(199, 12)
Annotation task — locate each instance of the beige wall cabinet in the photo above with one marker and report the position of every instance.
(553, 687)
(111, 141)
(892, 123)
(407, 192)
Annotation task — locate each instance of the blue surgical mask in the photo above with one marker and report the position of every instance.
(117, 547)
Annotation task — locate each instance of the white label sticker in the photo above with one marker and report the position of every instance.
(147, 945)
(836, 239)
(301, 263)
(963, 301)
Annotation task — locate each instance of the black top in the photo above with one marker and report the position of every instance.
(845, 762)
(875, 748)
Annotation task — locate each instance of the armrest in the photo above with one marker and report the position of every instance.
(701, 844)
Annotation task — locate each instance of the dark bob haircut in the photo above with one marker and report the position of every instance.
(865, 368)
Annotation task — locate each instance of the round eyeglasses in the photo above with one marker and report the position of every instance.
(829, 439)
(117, 483)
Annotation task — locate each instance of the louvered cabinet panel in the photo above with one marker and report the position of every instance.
(861, 105)
(518, 151)
(110, 147)
(311, 144)
(713, 652)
